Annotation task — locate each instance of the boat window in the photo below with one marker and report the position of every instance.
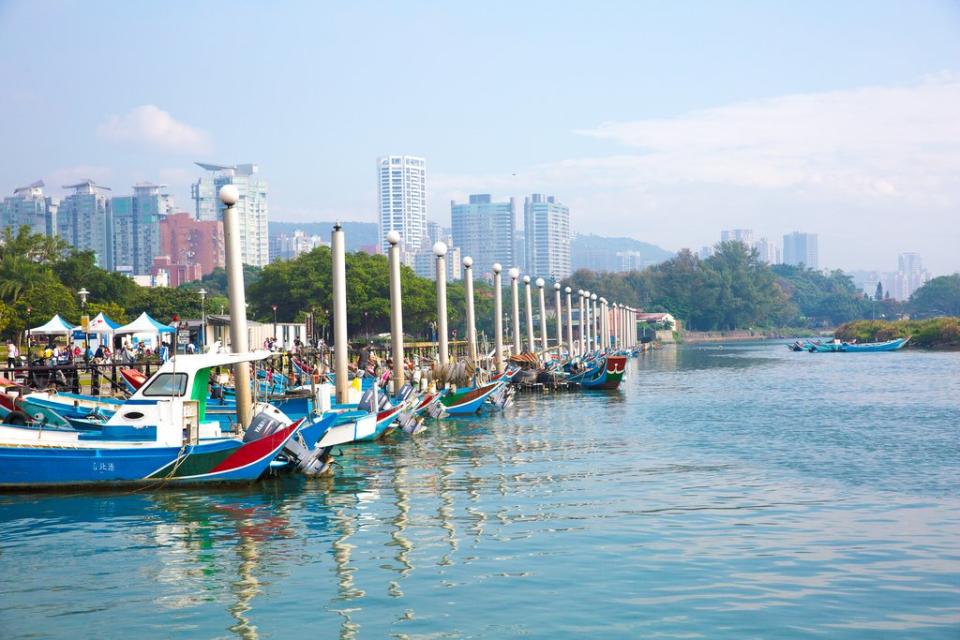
(167, 384)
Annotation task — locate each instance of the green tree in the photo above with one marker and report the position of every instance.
(938, 297)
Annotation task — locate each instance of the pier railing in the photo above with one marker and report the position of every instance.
(104, 379)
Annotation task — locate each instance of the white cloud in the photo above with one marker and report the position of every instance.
(151, 127)
(864, 142)
(879, 159)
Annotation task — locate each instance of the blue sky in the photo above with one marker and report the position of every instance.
(665, 121)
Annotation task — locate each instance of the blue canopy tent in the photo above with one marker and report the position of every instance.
(56, 326)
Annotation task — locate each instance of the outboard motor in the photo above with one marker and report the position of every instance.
(383, 402)
(404, 394)
(263, 425)
(366, 401)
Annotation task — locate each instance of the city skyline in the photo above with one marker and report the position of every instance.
(640, 134)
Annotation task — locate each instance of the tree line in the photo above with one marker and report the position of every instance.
(41, 276)
(734, 289)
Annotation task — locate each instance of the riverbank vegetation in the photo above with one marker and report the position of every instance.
(41, 276)
(732, 289)
(929, 333)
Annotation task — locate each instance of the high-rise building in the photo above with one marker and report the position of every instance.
(737, 235)
(546, 224)
(485, 231)
(912, 275)
(84, 221)
(136, 227)
(801, 249)
(287, 246)
(768, 251)
(251, 207)
(28, 206)
(188, 241)
(424, 263)
(402, 187)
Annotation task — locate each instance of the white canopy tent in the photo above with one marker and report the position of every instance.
(56, 326)
(144, 329)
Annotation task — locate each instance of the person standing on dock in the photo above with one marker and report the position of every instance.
(12, 354)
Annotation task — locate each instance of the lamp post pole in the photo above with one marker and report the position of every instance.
(497, 317)
(526, 289)
(583, 343)
(340, 347)
(543, 316)
(86, 325)
(515, 292)
(274, 307)
(471, 320)
(396, 311)
(203, 319)
(588, 323)
(29, 354)
(569, 291)
(440, 251)
(593, 320)
(558, 305)
(239, 338)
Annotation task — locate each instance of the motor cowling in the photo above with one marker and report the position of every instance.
(263, 424)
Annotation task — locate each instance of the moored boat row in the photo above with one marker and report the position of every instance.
(186, 424)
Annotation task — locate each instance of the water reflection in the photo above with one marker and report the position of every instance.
(188, 544)
(690, 501)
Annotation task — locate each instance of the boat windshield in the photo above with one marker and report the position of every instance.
(167, 384)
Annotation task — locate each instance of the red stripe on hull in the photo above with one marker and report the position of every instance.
(253, 451)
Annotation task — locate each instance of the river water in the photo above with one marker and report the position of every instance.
(743, 491)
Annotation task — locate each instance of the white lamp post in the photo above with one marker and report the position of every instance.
(471, 321)
(440, 251)
(396, 311)
(543, 315)
(530, 340)
(514, 290)
(239, 338)
(558, 305)
(497, 317)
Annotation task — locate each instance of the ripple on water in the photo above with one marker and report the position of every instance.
(736, 492)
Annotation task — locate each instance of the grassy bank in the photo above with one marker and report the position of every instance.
(933, 333)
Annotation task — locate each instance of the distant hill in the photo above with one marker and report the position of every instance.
(599, 253)
(358, 234)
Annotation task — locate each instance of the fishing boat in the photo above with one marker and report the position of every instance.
(159, 435)
(858, 347)
(607, 375)
(469, 400)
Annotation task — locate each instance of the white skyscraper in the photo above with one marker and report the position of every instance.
(402, 186)
(801, 249)
(911, 274)
(768, 251)
(740, 235)
(28, 206)
(546, 233)
(85, 221)
(252, 206)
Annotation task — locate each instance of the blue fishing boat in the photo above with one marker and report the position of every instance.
(469, 401)
(159, 435)
(854, 347)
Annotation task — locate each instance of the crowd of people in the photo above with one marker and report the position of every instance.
(53, 353)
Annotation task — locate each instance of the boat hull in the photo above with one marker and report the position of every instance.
(467, 401)
(609, 377)
(38, 465)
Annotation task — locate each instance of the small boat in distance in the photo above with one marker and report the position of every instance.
(858, 347)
